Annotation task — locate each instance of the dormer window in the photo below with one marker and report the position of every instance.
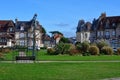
(113, 24)
(22, 28)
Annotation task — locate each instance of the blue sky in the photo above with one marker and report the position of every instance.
(58, 15)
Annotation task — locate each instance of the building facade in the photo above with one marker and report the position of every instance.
(105, 28)
(7, 30)
(20, 33)
(24, 33)
(83, 31)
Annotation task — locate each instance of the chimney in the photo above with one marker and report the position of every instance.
(16, 20)
(103, 15)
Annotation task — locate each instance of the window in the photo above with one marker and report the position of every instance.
(3, 41)
(22, 35)
(98, 33)
(107, 34)
(101, 33)
(22, 43)
(113, 33)
(22, 28)
(113, 24)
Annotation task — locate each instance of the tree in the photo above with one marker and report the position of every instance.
(43, 29)
(53, 32)
(64, 40)
(62, 48)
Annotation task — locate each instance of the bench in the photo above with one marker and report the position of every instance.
(25, 57)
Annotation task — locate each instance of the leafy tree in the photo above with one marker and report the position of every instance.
(53, 32)
(62, 48)
(64, 40)
(43, 30)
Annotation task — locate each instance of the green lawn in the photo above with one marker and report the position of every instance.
(59, 71)
(78, 58)
(41, 55)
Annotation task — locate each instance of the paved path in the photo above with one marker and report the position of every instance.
(30, 61)
(112, 79)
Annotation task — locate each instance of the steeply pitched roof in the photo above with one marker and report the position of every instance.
(5, 24)
(110, 20)
(26, 24)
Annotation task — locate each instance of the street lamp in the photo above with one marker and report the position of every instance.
(34, 26)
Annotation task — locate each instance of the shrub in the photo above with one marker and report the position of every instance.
(101, 44)
(118, 51)
(6, 50)
(83, 47)
(51, 51)
(107, 50)
(62, 48)
(94, 50)
(79, 47)
(73, 50)
(93, 44)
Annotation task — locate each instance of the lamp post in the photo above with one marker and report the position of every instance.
(34, 26)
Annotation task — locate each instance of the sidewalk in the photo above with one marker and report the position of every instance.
(30, 61)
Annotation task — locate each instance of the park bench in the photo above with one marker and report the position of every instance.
(25, 57)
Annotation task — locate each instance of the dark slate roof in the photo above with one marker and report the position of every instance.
(26, 24)
(82, 26)
(5, 24)
(111, 20)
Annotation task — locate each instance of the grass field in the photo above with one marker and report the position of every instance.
(41, 55)
(78, 58)
(59, 71)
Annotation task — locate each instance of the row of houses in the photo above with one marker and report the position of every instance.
(21, 33)
(105, 28)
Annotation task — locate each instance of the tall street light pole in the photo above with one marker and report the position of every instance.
(34, 26)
